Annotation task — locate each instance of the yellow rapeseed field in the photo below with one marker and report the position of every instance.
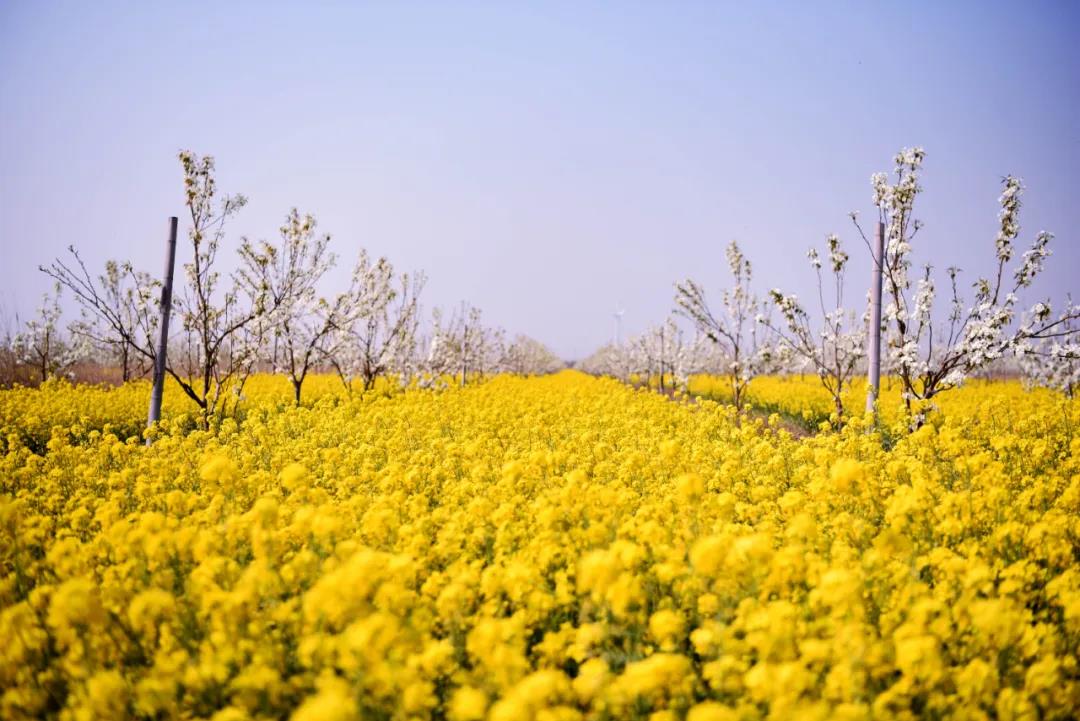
(802, 398)
(552, 548)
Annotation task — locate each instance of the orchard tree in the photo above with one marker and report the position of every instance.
(701, 356)
(463, 345)
(666, 353)
(301, 322)
(736, 330)
(931, 360)
(1054, 361)
(527, 356)
(119, 310)
(42, 343)
(222, 328)
(617, 360)
(663, 346)
(376, 332)
(835, 350)
(438, 352)
(9, 361)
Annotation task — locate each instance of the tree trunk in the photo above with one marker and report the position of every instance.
(45, 360)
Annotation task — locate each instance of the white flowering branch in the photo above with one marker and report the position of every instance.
(927, 359)
(375, 332)
(834, 351)
(736, 331)
(301, 321)
(463, 347)
(1053, 359)
(119, 309)
(526, 356)
(42, 344)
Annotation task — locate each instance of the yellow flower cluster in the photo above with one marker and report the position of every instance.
(32, 416)
(802, 398)
(556, 548)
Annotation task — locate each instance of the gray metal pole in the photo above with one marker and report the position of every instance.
(874, 365)
(163, 339)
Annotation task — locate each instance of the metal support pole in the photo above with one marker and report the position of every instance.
(874, 365)
(163, 339)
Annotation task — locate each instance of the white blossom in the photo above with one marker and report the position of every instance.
(927, 359)
(743, 341)
(833, 350)
(43, 344)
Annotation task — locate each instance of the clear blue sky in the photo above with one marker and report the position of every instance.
(544, 161)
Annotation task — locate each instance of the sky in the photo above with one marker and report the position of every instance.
(546, 162)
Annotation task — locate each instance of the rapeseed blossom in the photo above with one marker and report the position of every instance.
(549, 548)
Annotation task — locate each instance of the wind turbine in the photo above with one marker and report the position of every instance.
(618, 314)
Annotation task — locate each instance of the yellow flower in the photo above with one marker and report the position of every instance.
(659, 675)
(707, 555)
(107, 695)
(976, 683)
(845, 474)
(333, 702)
(592, 676)
(219, 469)
(919, 657)
(666, 626)
(691, 486)
(597, 571)
(712, 711)
(557, 548)
(75, 608)
(292, 476)
(150, 606)
(468, 704)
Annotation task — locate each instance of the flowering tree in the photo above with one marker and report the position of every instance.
(439, 358)
(42, 344)
(664, 352)
(119, 309)
(9, 361)
(835, 350)
(736, 331)
(222, 328)
(298, 328)
(527, 356)
(618, 360)
(930, 361)
(660, 348)
(1054, 361)
(701, 355)
(463, 345)
(375, 332)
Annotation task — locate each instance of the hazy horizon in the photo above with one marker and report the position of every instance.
(542, 163)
